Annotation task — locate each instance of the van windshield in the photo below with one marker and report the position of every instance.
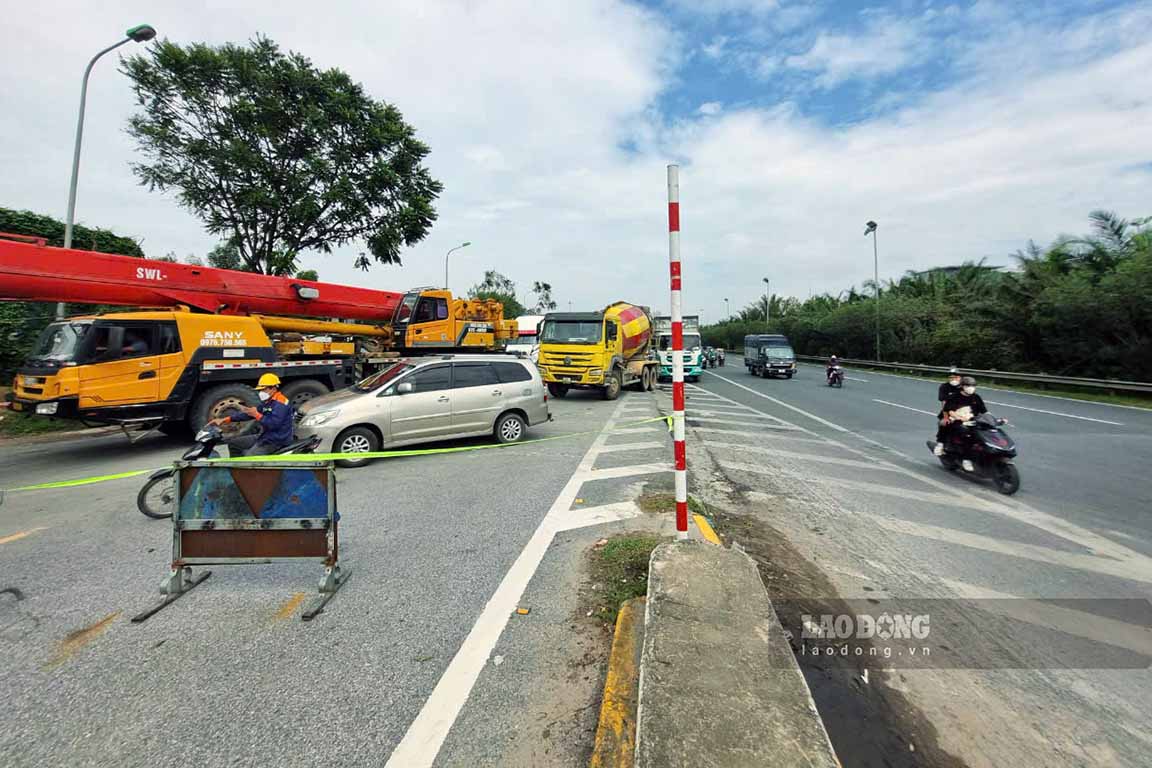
(380, 378)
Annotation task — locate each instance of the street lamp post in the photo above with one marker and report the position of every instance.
(138, 34)
(465, 244)
(767, 298)
(870, 229)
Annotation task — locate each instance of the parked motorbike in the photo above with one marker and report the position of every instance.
(836, 376)
(989, 449)
(156, 497)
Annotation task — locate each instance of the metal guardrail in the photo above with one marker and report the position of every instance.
(1114, 385)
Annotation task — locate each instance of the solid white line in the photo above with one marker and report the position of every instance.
(605, 513)
(802, 457)
(1055, 413)
(632, 447)
(905, 407)
(611, 473)
(633, 430)
(853, 378)
(758, 425)
(426, 734)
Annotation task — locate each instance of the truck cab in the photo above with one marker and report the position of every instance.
(430, 318)
(768, 354)
(693, 347)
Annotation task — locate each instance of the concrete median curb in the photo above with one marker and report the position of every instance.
(616, 732)
(719, 685)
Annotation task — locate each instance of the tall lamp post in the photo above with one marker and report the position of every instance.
(870, 229)
(767, 298)
(465, 244)
(727, 310)
(138, 34)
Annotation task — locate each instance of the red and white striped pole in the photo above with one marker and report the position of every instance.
(677, 353)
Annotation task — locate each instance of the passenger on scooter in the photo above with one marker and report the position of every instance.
(274, 415)
(963, 406)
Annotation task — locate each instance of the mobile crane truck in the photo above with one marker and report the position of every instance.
(606, 350)
(208, 334)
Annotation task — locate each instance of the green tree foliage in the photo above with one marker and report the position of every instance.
(308, 274)
(52, 230)
(1080, 307)
(497, 286)
(277, 155)
(544, 301)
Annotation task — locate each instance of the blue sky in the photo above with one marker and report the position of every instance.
(964, 128)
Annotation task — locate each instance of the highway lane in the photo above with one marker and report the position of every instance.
(1085, 462)
(851, 485)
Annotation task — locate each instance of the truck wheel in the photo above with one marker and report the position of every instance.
(611, 389)
(355, 440)
(649, 379)
(558, 390)
(301, 391)
(213, 403)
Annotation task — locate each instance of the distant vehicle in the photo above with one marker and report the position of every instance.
(426, 399)
(527, 341)
(769, 354)
(710, 357)
(606, 350)
(693, 347)
(836, 376)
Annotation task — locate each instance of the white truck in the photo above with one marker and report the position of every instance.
(693, 347)
(527, 341)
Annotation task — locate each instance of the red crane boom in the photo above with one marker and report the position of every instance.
(34, 271)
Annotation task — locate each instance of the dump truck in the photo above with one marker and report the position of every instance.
(203, 336)
(693, 349)
(606, 350)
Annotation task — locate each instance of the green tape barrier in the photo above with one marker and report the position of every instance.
(320, 457)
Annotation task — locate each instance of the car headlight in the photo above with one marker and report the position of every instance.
(47, 409)
(320, 417)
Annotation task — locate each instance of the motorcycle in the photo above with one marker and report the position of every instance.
(988, 449)
(836, 376)
(156, 497)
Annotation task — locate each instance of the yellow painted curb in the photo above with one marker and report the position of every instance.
(616, 732)
(706, 530)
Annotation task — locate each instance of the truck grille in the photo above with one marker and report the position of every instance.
(566, 363)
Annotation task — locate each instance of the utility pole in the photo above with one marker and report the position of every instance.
(727, 310)
(767, 299)
(870, 229)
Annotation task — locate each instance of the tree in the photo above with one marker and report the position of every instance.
(544, 302)
(277, 155)
(497, 286)
(308, 274)
(52, 230)
(225, 256)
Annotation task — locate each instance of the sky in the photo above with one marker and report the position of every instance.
(964, 129)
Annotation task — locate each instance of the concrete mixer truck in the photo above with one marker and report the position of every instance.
(606, 350)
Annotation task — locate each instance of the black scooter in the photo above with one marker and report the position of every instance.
(156, 497)
(989, 449)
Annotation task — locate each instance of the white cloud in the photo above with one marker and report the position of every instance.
(721, 7)
(710, 108)
(886, 45)
(525, 108)
(715, 49)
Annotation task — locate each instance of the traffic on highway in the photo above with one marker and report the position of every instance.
(629, 384)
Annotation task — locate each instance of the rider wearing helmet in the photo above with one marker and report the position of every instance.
(954, 413)
(274, 415)
(833, 361)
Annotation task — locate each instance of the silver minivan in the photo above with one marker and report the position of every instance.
(425, 399)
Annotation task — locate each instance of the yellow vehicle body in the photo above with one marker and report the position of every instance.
(605, 350)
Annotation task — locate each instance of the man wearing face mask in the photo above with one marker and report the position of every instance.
(961, 407)
(274, 415)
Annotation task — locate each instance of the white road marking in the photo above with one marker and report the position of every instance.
(748, 413)
(776, 439)
(1011, 508)
(905, 407)
(634, 430)
(584, 517)
(611, 473)
(1055, 413)
(711, 420)
(853, 378)
(425, 736)
(788, 454)
(632, 447)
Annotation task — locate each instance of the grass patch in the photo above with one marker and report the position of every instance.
(657, 503)
(619, 571)
(20, 424)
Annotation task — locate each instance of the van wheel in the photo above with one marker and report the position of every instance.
(509, 428)
(217, 401)
(558, 390)
(611, 389)
(301, 391)
(356, 440)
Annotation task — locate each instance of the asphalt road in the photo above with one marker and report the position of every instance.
(441, 549)
(846, 476)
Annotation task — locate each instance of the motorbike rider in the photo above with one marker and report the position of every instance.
(833, 361)
(949, 388)
(720, 356)
(958, 408)
(274, 415)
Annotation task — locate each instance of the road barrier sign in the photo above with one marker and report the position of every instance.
(254, 512)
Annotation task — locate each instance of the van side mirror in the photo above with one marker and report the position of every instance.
(404, 388)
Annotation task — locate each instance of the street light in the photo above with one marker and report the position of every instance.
(727, 310)
(464, 244)
(767, 295)
(141, 33)
(870, 229)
